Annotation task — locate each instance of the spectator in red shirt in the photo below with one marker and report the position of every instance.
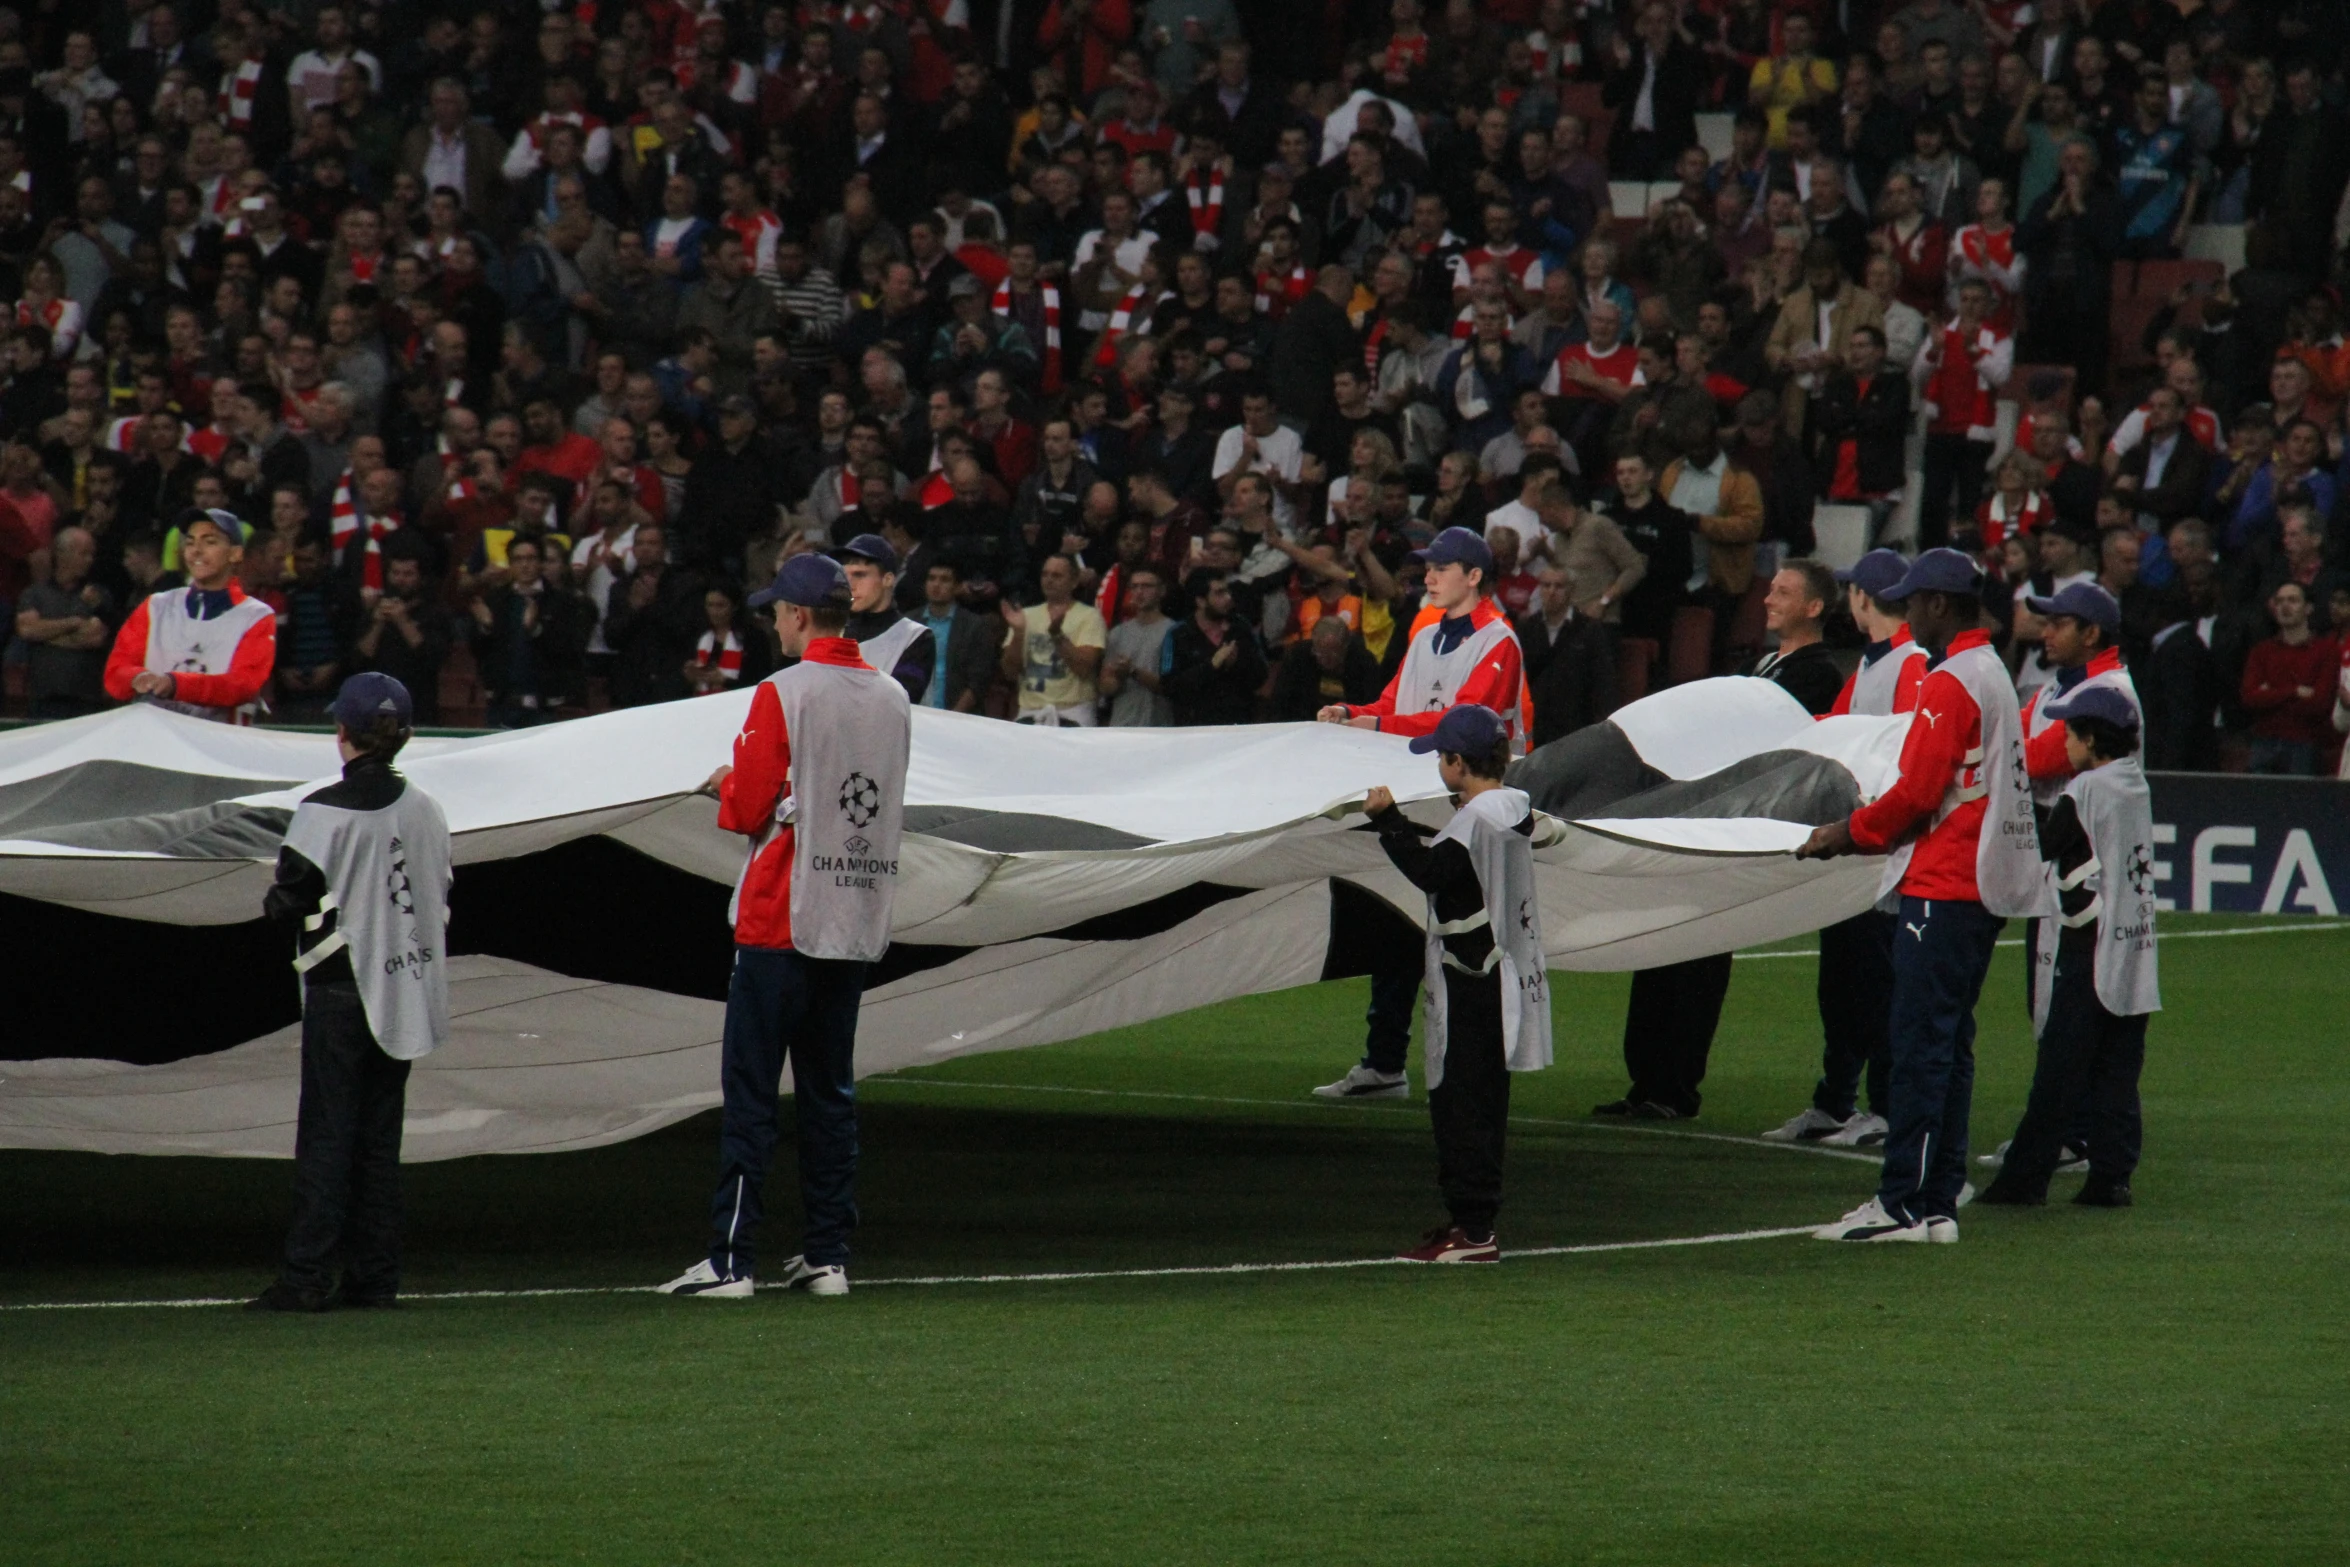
(2289, 688)
(553, 447)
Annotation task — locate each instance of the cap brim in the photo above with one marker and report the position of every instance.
(762, 598)
(1421, 745)
(2040, 606)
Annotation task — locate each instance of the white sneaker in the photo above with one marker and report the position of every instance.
(1942, 1232)
(1862, 1131)
(703, 1282)
(1361, 1082)
(1812, 1126)
(1870, 1222)
(815, 1278)
(2069, 1160)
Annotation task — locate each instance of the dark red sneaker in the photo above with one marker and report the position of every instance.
(1452, 1244)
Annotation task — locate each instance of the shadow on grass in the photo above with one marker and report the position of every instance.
(946, 1189)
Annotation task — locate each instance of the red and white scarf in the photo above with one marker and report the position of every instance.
(343, 527)
(937, 489)
(453, 391)
(726, 657)
(363, 268)
(236, 95)
(1002, 306)
(1207, 210)
(1105, 353)
(1275, 294)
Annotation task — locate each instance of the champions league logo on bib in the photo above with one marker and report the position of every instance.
(403, 892)
(860, 799)
(2141, 871)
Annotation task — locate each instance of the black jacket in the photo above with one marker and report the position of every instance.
(1303, 688)
(1809, 674)
(730, 498)
(1879, 423)
(1204, 694)
(1680, 76)
(650, 645)
(1572, 677)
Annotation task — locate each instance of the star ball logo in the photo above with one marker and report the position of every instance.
(860, 800)
(402, 890)
(2141, 871)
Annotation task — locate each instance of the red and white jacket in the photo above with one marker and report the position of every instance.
(1908, 673)
(1480, 664)
(1940, 758)
(747, 799)
(1976, 252)
(1521, 263)
(759, 233)
(1962, 375)
(2046, 762)
(214, 673)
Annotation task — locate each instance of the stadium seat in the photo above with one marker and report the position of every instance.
(1691, 656)
(1746, 625)
(2140, 288)
(1630, 198)
(1713, 134)
(462, 705)
(1634, 660)
(2220, 242)
(2066, 376)
(1841, 532)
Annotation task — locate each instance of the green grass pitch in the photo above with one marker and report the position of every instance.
(2164, 1385)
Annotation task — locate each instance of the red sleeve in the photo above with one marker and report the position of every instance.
(1940, 733)
(247, 673)
(762, 763)
(1843, 703)
(2044, 753)
(1493, 683)
(1908, 684)
(129, 656)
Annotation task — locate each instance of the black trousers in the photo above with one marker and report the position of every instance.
(346, 1150)
(778, 1003)
(2086, 1076)
(1856, 1006)
(1954, 479)
(1470, 1109)
(1387, 1023)
(1669, 1030)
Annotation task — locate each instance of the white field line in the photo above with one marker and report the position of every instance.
(1208, 1270)
(2293, 927)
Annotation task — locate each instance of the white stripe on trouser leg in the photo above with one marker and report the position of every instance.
(734, 1225)
(1925, 1155)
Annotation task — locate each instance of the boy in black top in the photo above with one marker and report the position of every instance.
(1488, 996)
(2097, 960)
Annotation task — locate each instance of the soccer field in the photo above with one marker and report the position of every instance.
(2169, 1384)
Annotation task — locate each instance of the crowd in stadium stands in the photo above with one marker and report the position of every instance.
(1150, 337)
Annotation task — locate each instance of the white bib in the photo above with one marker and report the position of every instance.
(2117, 811)
(850, 731)
(2037, 721)
(1504, 859)
(887, 646)
(1430, 682)
(180, 644)
(1874, 686)
(387, 885)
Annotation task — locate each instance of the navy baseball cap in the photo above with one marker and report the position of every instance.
(872, 547)
(811, 581)
(2082, 601)
(228, 522)
(1457, 547)
(1875, 573)
(1937, 571)
(367, 699)
(2095, 699)
(1466, 730)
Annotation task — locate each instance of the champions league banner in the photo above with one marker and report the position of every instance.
(2229, 844)
(1053, 883)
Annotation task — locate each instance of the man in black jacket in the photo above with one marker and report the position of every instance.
(731, 494)
(652, 618)
(1570, 661)
(1795, 610)
(1858, 421)
(1214, 667)
(1330, 664)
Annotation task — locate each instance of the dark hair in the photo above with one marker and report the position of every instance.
(1490, 764)
(2105, 737)
(381, 740)
(831, 619)
(1818, 582)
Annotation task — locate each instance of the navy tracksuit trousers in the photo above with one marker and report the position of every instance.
(2086, 1078)
(779, 1004)
(1941, 953)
